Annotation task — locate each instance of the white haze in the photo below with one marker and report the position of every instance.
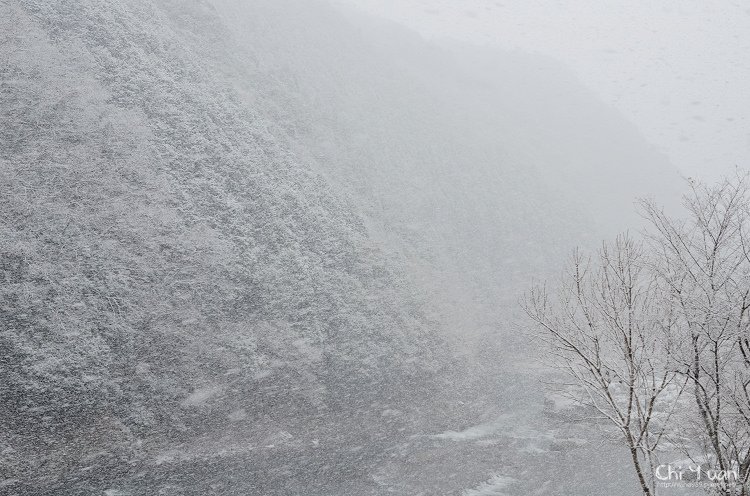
(276, 247)
(677, 69)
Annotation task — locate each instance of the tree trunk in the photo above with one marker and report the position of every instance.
(637, 465)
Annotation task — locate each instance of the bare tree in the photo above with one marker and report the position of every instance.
(703, 262)
(644, 324)
(610, 333)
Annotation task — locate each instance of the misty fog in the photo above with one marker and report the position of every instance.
(281, 247)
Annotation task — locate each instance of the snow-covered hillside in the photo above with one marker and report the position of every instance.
(250, 248)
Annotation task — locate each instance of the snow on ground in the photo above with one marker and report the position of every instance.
(201, 395)
(504, 426)
(492, 487)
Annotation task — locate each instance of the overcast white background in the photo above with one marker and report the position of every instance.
(680, 70)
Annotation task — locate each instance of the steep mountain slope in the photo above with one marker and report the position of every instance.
(168, 266)
(242, 243)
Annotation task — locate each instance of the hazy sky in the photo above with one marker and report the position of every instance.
(679, 69)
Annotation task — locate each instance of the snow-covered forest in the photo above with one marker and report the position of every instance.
(277, 247)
